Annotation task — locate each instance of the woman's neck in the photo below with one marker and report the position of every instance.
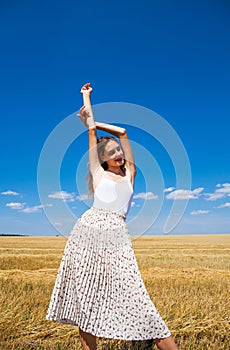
(116, 171)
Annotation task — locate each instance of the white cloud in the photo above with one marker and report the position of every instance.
(21, 207)
(145, 195)
(29, 210)
(169, 189)
(225, 205)
(224, 188)
(185, 194)
(199, 212)
(133, 204)
(222, 191)
(213, 196)
(35, 208)
(82, 197)
(65, 196)
(15, 205)
(10, 193)
(58, 224)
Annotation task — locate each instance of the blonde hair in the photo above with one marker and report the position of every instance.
(101, 144)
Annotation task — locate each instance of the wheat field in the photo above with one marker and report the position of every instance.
(187, 278)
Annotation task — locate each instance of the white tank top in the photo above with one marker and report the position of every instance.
(111, 193)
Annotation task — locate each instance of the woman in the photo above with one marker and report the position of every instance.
(99, 287)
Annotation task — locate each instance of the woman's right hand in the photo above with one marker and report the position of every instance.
(86, 89)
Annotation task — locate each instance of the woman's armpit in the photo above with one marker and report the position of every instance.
(129, 176)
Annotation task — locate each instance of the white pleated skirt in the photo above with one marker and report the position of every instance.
(99, 287)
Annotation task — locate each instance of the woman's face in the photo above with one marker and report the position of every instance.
(113, 154)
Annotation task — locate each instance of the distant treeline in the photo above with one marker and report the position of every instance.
(13, 234)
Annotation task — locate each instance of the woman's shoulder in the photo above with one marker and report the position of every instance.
(97, 175)
(98, 171)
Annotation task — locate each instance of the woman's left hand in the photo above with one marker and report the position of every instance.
(84, 115)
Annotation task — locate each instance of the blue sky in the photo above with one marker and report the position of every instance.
(169, 57)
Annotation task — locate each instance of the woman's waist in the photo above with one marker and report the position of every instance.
(107, 212)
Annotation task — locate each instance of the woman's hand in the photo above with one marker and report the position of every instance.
(86, 89)
(86, 118)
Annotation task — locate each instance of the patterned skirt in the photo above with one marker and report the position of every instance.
(99, 287)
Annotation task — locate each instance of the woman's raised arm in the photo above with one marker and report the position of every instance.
(87, 117)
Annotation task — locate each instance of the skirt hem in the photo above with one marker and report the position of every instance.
(96, 334)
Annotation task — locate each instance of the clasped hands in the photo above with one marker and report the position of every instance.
(86, 89)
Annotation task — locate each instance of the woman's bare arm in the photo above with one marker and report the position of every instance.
(87, 117)
(112, 129)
